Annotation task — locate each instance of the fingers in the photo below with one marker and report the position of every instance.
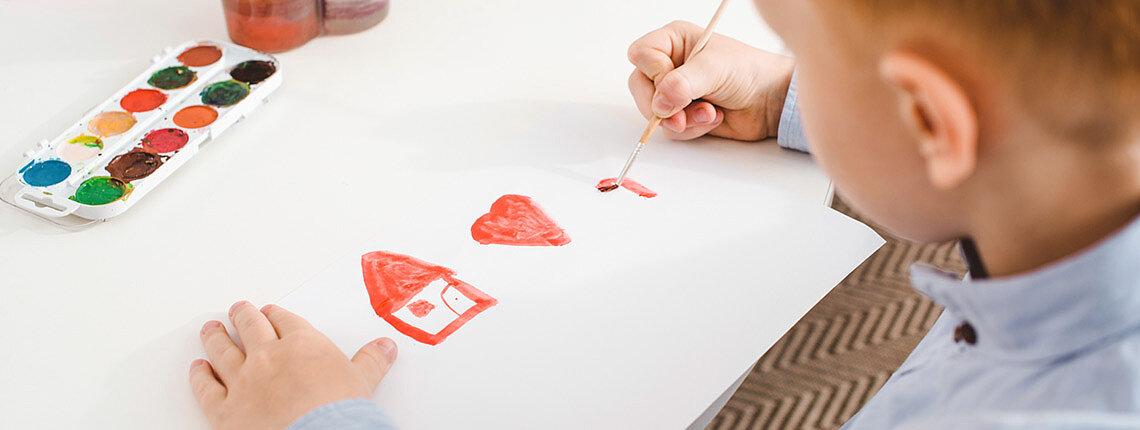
(658, 52)
(252, 327)
(224, 355)
(642, 90)
(657, 56)
(652, 54)
(284, 321)
(207, 390)
(374, 359)
(676, 89)
(675, 124)
(696, 120)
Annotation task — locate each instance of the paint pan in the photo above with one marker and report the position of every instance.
(130, 143)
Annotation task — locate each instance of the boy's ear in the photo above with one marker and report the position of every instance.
(939, 113)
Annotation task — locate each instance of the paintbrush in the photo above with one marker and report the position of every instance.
(656, 121)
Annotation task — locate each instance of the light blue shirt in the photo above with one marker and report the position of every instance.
(790, 132)
(1056, 348)
(351, 414)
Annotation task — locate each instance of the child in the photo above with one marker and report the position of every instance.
(1011, 125)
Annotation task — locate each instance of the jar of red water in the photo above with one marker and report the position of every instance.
(281, 25)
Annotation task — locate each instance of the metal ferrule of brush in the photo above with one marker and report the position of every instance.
(629, 162)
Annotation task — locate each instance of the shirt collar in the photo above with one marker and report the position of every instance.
(1064, 307)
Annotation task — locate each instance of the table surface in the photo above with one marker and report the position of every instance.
(101, 324)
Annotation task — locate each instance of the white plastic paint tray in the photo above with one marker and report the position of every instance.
(122, 149)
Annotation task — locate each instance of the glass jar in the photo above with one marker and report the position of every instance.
(281, 25)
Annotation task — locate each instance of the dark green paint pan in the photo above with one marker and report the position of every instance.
(225, 93)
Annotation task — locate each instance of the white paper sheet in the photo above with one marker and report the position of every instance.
(647, 316)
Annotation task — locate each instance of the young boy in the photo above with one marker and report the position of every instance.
(1010, 125)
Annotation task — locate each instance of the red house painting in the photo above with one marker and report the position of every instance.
(419, 299)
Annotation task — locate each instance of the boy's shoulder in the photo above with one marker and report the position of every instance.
(1063, 341)
(951, 384)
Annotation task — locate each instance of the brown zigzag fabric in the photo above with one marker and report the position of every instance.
(839, 354)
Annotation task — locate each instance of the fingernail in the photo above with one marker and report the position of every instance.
(661, 107)
(198, 362)
(210, 325)
(235, 306)
(389, 348)
(265, 309)
(671, 126)
(701, 116)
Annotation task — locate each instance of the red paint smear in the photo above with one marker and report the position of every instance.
(421, 308)
(517, 220)
(165, 140)
(142, 100)
(394, 279)
(629, 184)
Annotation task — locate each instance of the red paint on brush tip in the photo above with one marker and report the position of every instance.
(517, 220)
(629, 184)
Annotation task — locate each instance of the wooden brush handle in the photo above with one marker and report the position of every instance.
(653, 123)
(704, 39)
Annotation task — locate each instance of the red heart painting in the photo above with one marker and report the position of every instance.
(517, 220)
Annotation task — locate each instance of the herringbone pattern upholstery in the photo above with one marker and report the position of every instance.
(839, 354)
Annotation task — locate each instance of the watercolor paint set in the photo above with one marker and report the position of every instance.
(123, 148)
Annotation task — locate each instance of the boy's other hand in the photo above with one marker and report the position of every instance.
(729, 89)
(287, 369)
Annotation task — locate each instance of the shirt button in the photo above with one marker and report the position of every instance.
(965, 332)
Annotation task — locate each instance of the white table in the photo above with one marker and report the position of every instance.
(100, 325)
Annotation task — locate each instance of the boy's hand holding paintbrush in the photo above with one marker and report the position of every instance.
(730, 90)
